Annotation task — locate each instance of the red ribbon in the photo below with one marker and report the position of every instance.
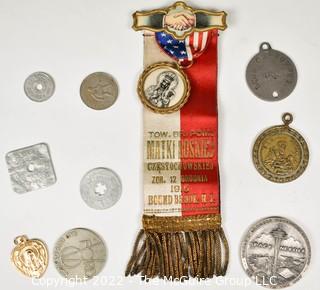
(199, 126)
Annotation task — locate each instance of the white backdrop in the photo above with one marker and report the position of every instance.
(70, 39)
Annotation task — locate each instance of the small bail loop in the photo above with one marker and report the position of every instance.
(265, 46)
(287, 118)
(20, 239)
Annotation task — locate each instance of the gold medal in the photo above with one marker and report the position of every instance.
(30, 257)
(280, 153)
(163, 87)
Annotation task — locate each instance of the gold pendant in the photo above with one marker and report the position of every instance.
(30, 257)
(280, 154)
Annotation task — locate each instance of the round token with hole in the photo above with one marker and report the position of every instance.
(100, 188)
(39, 86)
(271, 75)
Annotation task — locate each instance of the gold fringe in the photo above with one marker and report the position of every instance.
(180, 254)
(178, 223)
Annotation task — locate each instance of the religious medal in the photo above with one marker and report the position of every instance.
(30, 257)
(163, 87)
(80, 254)
(271, 75)
(275, 252)
(39, 86)
(99, 90)
(30, 168)
(182, 234)
(280, 153)
(100, 188)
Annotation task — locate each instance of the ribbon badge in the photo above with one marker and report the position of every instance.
(182, 234)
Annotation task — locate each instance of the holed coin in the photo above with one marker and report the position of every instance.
(39, 86)
(275, 252)
(30, 168)
(100, 188)
(271, 75)
(80, 254)
(99, 91)
(30, 257)
(280, 154)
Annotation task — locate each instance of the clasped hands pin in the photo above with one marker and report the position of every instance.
(179, 21)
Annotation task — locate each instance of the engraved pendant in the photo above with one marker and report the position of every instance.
(280, 153)
(30, 257)
(271, 75)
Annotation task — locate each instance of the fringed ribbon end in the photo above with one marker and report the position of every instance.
(162, 249)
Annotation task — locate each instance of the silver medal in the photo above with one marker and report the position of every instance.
(275, 252)
(271, 75)
(100, 188)
(80, 254)
(39, 86)
(30, 168)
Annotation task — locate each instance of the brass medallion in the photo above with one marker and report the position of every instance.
(30, 257)
(280, 154)
(163, 87)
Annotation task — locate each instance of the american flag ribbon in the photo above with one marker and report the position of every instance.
(184, 51)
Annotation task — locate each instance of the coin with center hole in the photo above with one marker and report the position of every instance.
(275, 252)
(99, 91)
(80, 254)
(271, 75)
(100, 188)
(39, 86)
(31, 168)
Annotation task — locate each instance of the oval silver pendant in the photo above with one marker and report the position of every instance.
(271, 75)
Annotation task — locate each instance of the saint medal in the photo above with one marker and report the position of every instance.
(280, 154)
(163, 87)
(30, 257)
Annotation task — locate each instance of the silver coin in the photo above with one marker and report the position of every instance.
(30, 168)
(100, 188)
(79, 253)
(275, 252)
(39, 86)
(99, 91)
(271, 75)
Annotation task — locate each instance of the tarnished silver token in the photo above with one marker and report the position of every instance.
(271, 75)
(100, 188)
(30, 168)
(99, 91)
(275, 252)
(39, 86)
(79, 254)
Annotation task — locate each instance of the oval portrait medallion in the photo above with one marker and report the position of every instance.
(163, 88)
(30, 257)
(280, 154)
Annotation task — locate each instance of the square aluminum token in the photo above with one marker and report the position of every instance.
(30, 168)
